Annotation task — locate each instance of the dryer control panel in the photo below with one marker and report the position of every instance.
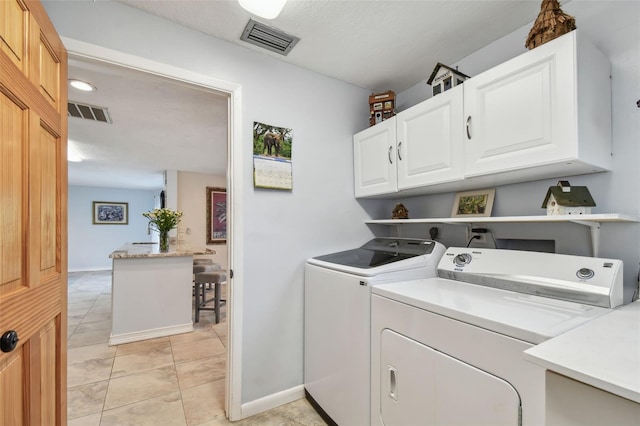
(589, 280)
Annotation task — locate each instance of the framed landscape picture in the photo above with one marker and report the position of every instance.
(272, 147)
(216, 215)
(473, 203)
(110, 213)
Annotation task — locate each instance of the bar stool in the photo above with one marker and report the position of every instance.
(215, 278)
(202, 261)
(204, 265)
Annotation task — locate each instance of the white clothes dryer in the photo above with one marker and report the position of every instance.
(449, 350)
(337, 319)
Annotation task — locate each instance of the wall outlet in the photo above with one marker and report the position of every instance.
(482, 236)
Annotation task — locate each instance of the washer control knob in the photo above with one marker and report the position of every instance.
(462, 259)
(585, 273)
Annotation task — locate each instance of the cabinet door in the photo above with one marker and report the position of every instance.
(421, 386)
(522, 113)
(430, 139)
(374, 158)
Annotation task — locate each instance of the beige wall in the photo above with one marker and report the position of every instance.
(192, 200)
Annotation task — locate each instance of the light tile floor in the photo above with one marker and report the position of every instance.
(176, 380)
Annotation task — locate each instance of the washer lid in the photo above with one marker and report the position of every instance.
(525, 317)
(380, 251)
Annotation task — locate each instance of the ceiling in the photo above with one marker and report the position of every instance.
(378, 45)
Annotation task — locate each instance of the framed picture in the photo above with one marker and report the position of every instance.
(473, 203)
(216, 215)
(110, 213)
(272, 147)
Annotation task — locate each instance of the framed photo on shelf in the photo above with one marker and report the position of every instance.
(216, 215)
(473, 203)
(110, 213)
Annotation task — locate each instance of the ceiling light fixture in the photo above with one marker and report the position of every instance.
(82, 85)
(267, 9)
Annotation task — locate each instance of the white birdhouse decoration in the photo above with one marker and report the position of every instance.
(567, 199)
(444, 78)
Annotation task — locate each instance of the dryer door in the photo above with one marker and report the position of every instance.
(423, 386)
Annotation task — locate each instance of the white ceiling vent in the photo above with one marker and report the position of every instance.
(88, 112)
(268, 38)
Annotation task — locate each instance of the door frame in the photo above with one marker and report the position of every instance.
(233, 376)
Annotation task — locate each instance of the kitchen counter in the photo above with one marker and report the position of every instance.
(144, 249)
(151, 292)
(604, 353)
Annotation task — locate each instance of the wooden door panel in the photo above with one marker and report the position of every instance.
(49, 73)
(12, 160)
(47, 359)
(33, 198)
(45, 192)
(12, 402)
(13, 24)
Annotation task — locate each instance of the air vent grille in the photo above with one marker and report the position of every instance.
(88, 112)
(268, 38)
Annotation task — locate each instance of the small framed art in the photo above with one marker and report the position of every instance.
(110, 213)
(216, 215)
(473, 203)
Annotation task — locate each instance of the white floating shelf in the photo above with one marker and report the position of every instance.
(614, 217)
(593, 221)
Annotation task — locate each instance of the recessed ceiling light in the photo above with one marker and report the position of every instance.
(267, 9)
(82, 85)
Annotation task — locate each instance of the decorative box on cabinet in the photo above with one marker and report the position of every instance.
(545, 113)
(419, 147)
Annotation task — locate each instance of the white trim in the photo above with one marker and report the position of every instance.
(235, 238)
(119, 339)
(89, 269)
(233, 389)
(272, 401)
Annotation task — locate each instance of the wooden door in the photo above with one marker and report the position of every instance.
(430, 141)
(374, 159)
(33, 219)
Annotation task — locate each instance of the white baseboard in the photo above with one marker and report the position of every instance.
(272, 401)
(119, 339)
(89, 269)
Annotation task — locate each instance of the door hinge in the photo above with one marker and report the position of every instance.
(230, 273)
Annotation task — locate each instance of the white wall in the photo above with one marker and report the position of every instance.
(613, 28)
(89, 244)
(192, 201)
(281, 228)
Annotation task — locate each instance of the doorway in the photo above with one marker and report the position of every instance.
(234, 187)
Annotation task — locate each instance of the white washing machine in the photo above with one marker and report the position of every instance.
(448, 350)
(337, 319)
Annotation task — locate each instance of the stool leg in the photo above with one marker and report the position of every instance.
(197, 293)
(216, 301)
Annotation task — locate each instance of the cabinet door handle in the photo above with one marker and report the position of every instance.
(389, 154)
(469, 127)
(399, 151)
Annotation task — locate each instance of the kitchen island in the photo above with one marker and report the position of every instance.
(151, 291)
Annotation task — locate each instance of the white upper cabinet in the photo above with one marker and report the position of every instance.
(419, 147)
(543, 114)
(374, 152)
(547, 110)
(430, 141)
